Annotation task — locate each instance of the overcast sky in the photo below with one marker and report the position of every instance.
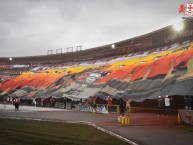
(31, 27)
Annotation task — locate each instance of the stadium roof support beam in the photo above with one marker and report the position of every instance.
(68, 49)
(59, 50)
(79, 48)
(49, 52)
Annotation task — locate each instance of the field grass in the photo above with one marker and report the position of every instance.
(188, 128)
(26, 132)
(183, 127)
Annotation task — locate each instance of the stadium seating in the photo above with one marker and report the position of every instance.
(136, 75)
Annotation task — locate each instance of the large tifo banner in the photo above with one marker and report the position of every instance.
(186, 116)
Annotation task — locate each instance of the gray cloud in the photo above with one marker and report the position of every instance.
(31, 27)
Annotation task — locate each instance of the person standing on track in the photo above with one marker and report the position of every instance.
(16, 103)
(167, 104)
(109, 102)
(122, 107)
(128, 106)
(34, 101)
(94, 104)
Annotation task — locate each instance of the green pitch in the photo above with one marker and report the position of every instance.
(26, 132)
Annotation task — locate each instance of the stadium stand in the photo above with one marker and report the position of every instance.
(140, 72)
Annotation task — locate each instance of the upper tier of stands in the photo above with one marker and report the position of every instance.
(130, 73)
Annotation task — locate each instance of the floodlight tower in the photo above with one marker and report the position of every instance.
(10, 60)
(178, 26)
(113, 46)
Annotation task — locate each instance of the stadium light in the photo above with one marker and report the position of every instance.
(10, 58)
(113, 46)
(178, 26)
